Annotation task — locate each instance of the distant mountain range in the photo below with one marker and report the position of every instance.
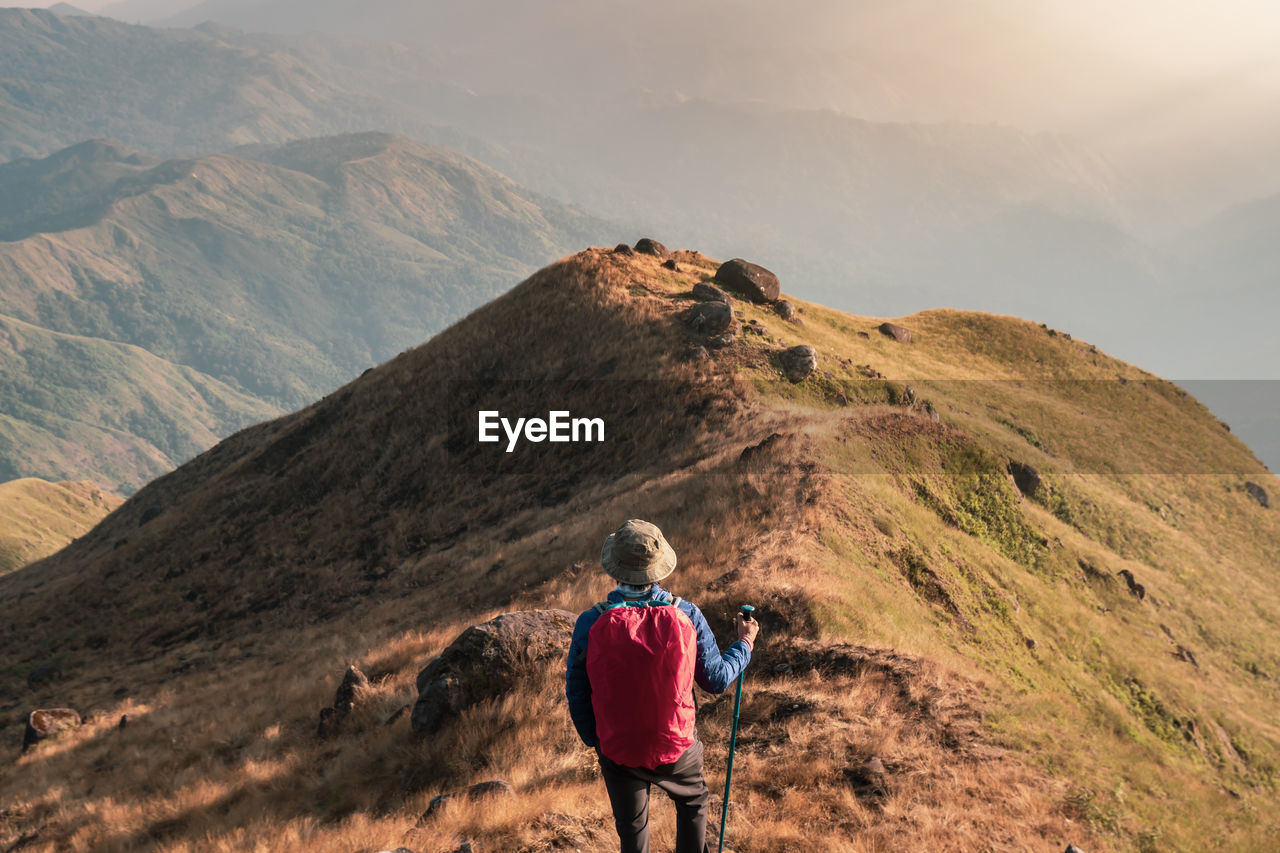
(156, 305)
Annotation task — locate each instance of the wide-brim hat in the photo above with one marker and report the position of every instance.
(637, 554)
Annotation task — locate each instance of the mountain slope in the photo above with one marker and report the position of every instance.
(1028, 699)
(41, 517)
(279, 271)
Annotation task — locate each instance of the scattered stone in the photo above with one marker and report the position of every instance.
(1030, 643)
(649, 246)
(1025, 477)
(328, 725)
(782, 668)
(898, 333)
(494, 787)
(345, 699)
(487, 660)
(397, 850)
(1258, 493)
(708, 292)
(785, 310)
(764, 444)
(44, 724)
(1135, 588)
(1185, 654)
(1071, 848)
(696, 352)
(149, 514)
(124, 722)
(670, 264)
(709, 318)
(930, 412)
(756, 282)
(400, 712)
(870, 781)
(908, 395)
(727, 339)
(866, 335)
(623, 249)
(43, 674)
(755, 328)
(799, 362)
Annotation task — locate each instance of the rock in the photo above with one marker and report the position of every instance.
(1135, 588)
(44, 724)
(908, 395)
(124, 722)
(328, 725)
(397, 850)
(670, 264)
(494, 787)
(1258, 493)
(931, 413)
(709, 318)
(764, 444)
(1026, 477)
(708, 292)
(1071, 848)
(755, 328)
(753, 280)
(486, 660)
(696, 353)
(1185, 654)
(869, 780)
(43, 674)
(799, 361)
(784, 309)
(898, 333)
(866, 335)
(726, 339)
(649, 246)
(345, 699)
(623, 249)
(149, 514)
(1030, 644)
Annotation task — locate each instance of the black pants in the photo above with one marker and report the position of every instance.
(628, 789)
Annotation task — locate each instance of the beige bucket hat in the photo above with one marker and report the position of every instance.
(637, 554)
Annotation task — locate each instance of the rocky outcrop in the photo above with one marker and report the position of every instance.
(44, 724)
(487, 660)
(1258, 493)
(752, 280)
(709, 318)
(898, 333)
(623, 249)
(649, 246)
(670, 264)
(708, 292)
(784, 309)
(799, 362)
(1025, 477)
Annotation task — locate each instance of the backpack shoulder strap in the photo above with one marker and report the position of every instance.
(600, 606)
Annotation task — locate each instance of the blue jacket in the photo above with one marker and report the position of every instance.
(714, 671)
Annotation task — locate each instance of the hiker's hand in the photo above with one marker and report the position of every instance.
(747, 630)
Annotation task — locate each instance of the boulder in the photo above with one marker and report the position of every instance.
(670, 264)
(43, 674)
(649, 246)
(623, 249)
(345, 699)
(708, 292)
(487, 660)
(798, 362)
(754, 281)
(44, 724)
(1258, 493)
(1025, 477)
(494, 787)
(908, 395)
(709, 318)
(898, 333)
(785, 310)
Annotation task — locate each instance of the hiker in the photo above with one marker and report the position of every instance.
(629, 681)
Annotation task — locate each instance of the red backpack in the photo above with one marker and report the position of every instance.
(640, 661)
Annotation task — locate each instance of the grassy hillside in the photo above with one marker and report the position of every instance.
(40, 518)
(281, 272)
(916, 608)
(80, 406)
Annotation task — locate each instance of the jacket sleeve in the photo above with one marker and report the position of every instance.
(577, 689)
(715, 670)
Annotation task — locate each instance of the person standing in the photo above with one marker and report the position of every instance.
(629, 683)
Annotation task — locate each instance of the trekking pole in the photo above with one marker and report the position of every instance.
(747, 610)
